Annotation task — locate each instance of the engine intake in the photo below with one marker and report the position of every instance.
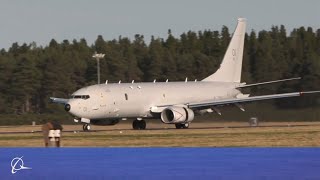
(175, 115)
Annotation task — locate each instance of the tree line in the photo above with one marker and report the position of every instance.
(30, 74)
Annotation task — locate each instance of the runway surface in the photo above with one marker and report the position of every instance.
(171, 128)
(162, 163)
(230, 134)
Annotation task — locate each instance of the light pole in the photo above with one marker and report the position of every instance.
(98, 57)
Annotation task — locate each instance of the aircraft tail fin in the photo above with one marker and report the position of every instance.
(231, 65)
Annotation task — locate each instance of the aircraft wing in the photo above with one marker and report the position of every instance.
(200, 105)
(58, 100)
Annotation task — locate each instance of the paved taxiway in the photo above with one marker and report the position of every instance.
(126, 128)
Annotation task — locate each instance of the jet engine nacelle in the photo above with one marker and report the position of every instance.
(175, 115)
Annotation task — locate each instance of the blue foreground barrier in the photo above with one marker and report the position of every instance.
(159, 163)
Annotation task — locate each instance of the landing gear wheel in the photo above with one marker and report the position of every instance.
(86, 127)
(135, 124)
(178, 126)
(185, 126)
(142, 124)
(138, 125)
(182, 126)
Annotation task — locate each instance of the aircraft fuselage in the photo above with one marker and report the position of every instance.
(131, 100)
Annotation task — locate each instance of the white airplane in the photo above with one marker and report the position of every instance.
(172, 102)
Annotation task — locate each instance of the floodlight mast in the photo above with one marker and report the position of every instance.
(98, 57)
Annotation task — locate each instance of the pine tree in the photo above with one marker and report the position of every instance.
(24, 84)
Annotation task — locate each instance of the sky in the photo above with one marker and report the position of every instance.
(26, 21)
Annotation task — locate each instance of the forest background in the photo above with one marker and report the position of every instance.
(30, 74)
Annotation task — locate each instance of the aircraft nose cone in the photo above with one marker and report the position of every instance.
(67, 107)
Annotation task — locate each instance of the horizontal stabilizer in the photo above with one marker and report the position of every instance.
(268, 82)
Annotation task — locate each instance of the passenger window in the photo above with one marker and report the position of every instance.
(126, 96)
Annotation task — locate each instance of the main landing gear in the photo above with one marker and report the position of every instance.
(86, 127)
(139, 124)
(182, 126)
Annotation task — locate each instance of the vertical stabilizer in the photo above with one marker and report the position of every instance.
(231, 65)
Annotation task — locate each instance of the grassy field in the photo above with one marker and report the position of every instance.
(215, 134)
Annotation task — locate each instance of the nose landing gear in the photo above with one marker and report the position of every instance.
(86, 127)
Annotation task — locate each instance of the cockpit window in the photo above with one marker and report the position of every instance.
(76, 97)
(80, 97)
(85, 97)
